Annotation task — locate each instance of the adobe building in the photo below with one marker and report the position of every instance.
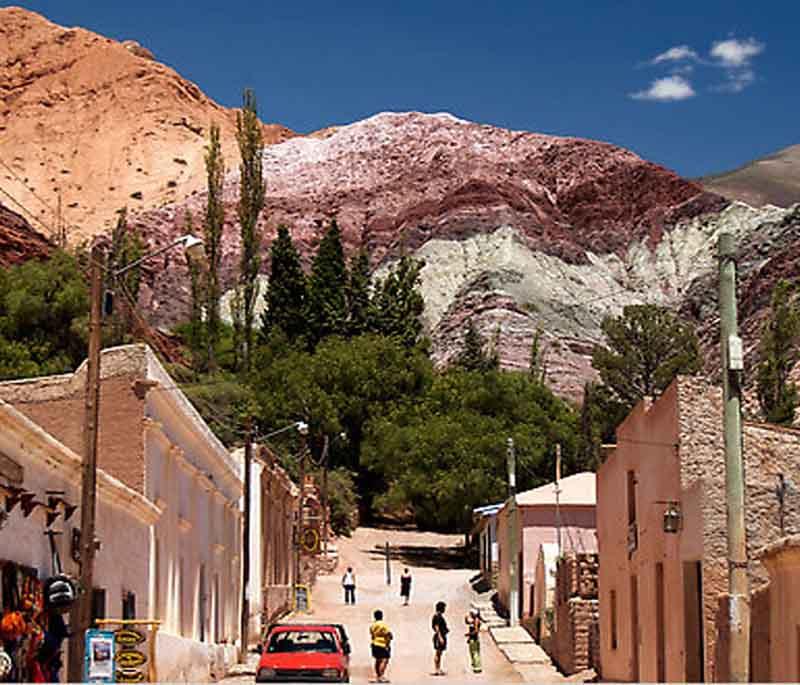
(484, 532)
(153, 441)
(540, 521)
(40, 486)
(661, 526)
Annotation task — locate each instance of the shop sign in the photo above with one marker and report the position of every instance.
(129, 675)
(130, 658)
(128, 637)
(99, 659)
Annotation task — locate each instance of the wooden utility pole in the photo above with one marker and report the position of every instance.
(81, 615)
(301, 518)
(325, 512)
(244, 630)
(732, 367)
(513, 533)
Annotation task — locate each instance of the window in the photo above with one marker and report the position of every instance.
(631, 497)
(614, 619)
(128, 606)
(98, 604)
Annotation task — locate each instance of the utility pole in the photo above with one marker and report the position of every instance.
(513, 533)
(81, 615)
(732, 367)
(388, 565)
(301, 518)
(244, 629)
(558, 497)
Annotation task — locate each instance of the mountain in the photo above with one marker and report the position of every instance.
(19, 241)
(771, 180)
(518, 230)
(96, 124)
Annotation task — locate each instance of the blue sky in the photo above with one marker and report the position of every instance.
(697, 86)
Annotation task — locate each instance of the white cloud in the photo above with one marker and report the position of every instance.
(669, 89)
(675, 54)
(738, 80)
(734, 53)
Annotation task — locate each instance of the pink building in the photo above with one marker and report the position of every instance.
(539, 523)
(661, 527)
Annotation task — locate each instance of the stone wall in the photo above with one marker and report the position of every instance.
(575, 644)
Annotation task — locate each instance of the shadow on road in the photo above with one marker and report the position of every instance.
(422, 556)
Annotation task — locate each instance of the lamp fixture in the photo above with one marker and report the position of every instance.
(673, 517)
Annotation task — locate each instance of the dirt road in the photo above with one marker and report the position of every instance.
(436, 576)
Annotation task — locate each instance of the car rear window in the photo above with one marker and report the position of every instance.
(302, 641)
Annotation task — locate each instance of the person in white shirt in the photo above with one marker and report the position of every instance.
(349, 585)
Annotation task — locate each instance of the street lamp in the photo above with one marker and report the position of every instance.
(81, 615)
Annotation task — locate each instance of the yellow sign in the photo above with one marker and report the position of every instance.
(130, 658)
(127, 675)
(127, 637)
(310, 540)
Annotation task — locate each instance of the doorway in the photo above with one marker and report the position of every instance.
(661, 651)
(634, 629)
(693, 621)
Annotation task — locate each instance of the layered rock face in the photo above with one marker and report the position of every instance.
(518, 230)
(97, 125)
(19, 241)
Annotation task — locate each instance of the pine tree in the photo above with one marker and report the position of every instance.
(212, 229)
(397, 304)
(196, 312)
(251, 202)
(777, 395)
(327, 304)
(358, 295)
(285, 299)
(473, 356)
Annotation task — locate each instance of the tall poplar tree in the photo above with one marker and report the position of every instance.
(251, 202)
(196, 333)
(327, 304)
(397, 304)
(285, 299)
(126, 247)
(212, 230)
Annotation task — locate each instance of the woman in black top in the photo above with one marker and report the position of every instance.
(440, 630)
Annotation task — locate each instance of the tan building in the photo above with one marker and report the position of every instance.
(662, 616)
(541, 521)
(153, 441)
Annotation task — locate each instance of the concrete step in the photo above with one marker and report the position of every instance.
(515, 635)
(525, 653)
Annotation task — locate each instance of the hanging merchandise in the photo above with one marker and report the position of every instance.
(12, 626)
(59, 593)
(5, 665)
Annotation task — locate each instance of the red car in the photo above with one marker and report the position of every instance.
(305, 652)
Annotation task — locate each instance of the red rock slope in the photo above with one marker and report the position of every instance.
(19, 241)
(99, 122)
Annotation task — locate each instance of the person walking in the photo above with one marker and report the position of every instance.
(380, 642)
(405, 587)
(440, 630)
(473, 635)
(349, 585)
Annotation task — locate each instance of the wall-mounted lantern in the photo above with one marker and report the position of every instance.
(672, 517)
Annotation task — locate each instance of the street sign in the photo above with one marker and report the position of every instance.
(302, 599)
(309, 540)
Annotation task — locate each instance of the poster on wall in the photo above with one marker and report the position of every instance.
(99, 659)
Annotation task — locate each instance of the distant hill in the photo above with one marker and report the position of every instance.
(772, 180)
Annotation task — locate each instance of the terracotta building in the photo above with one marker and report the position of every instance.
(661, 526)
(540, 522)
(153, 441)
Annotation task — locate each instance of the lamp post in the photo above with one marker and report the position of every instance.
(81, 615)
(244, 625)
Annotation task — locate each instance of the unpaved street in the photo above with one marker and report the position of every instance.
(436, 577)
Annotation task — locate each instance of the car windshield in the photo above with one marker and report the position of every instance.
(302, 641)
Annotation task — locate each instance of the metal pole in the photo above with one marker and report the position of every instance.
(513, 533)
(245, 617)
(739, 608)
(301, 515)
(558, 497)
(388, 566)
(81, 615)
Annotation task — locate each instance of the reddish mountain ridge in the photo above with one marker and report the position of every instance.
(19, 241)
(486, 207)
(98, 124)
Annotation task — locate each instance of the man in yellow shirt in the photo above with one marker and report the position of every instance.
(380, 640)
